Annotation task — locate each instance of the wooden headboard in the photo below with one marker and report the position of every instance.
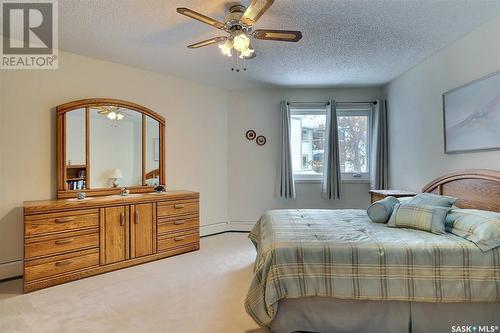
(477, 189)
(153, 174)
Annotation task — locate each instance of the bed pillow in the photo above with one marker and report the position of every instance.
(380, 211)
(430, 199)
(404, 200)
(420, 217)
(478, 226)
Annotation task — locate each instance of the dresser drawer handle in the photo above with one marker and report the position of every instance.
(64, 262)
(180, 222)
(179, 206)
(64, 241)
(64, 219)
(178, 239)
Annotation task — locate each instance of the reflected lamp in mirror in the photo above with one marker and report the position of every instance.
(114, 176)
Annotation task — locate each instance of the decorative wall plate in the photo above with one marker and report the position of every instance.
(250, 134)
(261, 140)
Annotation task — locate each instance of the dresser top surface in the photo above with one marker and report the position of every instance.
(38, 206)
(394, 192)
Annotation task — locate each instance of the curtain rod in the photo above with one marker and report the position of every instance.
(328, 103)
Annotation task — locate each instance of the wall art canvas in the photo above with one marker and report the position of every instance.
(472, 116)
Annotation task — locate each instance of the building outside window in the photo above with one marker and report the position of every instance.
(308, 142)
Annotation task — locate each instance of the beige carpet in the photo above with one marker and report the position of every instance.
(198, 292)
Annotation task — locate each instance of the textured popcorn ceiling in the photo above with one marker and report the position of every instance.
(345, 42)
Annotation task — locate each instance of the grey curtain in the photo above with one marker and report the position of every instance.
(287, 183)
(379, 163)
(332, 181)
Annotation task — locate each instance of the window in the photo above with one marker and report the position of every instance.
(308, 142)
(305, 162)
(354, 143)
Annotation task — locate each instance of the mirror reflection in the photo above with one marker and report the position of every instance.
(75, 150)
(152, 156)
(105, 145)
(115, 147)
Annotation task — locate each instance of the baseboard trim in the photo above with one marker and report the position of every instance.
(244, 226)
(11, 269)
(214, 228)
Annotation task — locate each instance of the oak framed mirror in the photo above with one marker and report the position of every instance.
(104, 145)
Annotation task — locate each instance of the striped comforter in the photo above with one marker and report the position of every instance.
(342, 254)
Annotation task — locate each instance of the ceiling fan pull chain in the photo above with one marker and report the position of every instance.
(236, 64)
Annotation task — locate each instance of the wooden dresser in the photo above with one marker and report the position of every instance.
(69, 239)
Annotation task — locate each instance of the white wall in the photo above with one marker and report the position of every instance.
(253, 170)
(415, 109)
(196, 134)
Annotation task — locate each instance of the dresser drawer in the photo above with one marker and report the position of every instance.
(178, 239)
(175, 208)
(56, 244)
(43, 268)
(177, 224)
(57, 222)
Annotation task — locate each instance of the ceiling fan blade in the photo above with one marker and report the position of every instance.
(279, 35)
(207, 42)
(200, 17)
(255, 10)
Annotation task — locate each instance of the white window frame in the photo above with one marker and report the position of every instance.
(341, 111)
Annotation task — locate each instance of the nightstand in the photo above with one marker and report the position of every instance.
(380, 194)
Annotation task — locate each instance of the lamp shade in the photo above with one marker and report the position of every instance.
(115, 174)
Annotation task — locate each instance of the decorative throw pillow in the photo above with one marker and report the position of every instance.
(481, 227)
(430, 199)
(380, 211)
(420, 217)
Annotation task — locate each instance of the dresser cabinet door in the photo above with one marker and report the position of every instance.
(114, 234)
(143, 230)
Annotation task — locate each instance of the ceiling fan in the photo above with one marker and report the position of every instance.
(239, 24)
(110, 112)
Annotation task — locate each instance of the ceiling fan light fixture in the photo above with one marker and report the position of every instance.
(247, 53)
(241, 42)
(112, 115)
(226, 47)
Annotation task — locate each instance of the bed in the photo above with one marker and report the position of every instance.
(336, 271)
